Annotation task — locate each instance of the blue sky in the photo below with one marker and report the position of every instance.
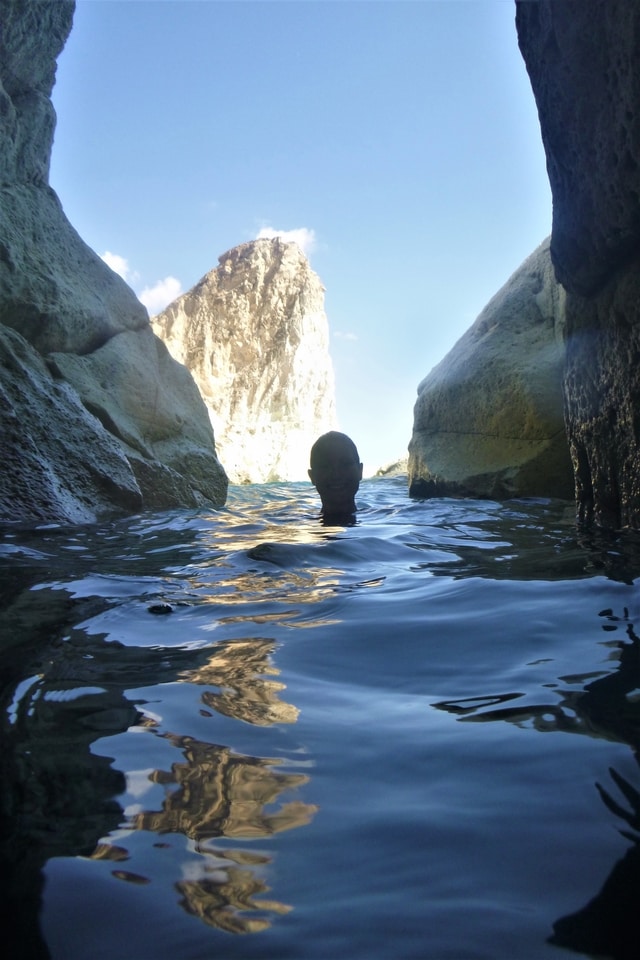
(399, 137)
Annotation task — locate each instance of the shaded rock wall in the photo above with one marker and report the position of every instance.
(95, 415)
(254, 334)
(488, 421)
(583, 61)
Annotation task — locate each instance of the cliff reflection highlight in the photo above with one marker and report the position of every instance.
(214, 795)
(240, 671)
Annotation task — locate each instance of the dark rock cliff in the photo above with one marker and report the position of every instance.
(95, 415)
(583, 61)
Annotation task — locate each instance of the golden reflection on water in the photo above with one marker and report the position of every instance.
(213, 793)
(239, 532)
(279, 568)
(225, 892)
(261, 585)
(223, 904)
(222, 794)
(240, 669)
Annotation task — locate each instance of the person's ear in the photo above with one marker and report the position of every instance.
(360, 477)
(310, 472)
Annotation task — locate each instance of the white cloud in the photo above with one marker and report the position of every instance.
(162, 293)
(117, 263)
(344, 335)
(155, 298)
(303, 236)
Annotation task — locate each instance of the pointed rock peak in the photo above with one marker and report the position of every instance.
(254, 334)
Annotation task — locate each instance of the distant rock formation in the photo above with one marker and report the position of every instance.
(583, 61)
(95, 415)
(254, 334)
(488, 421)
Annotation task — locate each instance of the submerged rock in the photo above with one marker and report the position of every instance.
(488, 421)
(582, 60)
(95, 416)
(254, 334)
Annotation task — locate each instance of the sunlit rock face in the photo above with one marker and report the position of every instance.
(488, 421)
(583, 63)
(254, 334)
(95, 415)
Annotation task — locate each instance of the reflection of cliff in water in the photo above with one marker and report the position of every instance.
(240, 669)
(57, 796)
(607, 707)
(609, 924)
(602, 708)
(213, 792)
(61, 692)
(530, 540)
(223, 895)
(224, 903)
(223, 794)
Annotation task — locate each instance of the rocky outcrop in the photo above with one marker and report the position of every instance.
(582, 60)
(254, 334)
(395, 468)
(488, 421)
(95, 415)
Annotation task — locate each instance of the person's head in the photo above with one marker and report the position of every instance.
(336, 473)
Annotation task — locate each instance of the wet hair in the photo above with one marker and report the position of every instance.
(326, 441)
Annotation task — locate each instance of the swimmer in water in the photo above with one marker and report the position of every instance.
(336, 473)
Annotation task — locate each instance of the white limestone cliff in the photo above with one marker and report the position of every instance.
(254, 335)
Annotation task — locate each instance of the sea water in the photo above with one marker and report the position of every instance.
(239, 733)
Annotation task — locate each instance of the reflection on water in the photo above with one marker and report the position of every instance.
(215, 793)
(243, 722)
(605, 706)
(608, 924)
(222, 795)
(224, 903)
(608, 707)
(239, 670)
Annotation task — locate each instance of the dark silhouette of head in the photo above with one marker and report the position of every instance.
(336, 473)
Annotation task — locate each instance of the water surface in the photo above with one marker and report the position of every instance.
(242, 734)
